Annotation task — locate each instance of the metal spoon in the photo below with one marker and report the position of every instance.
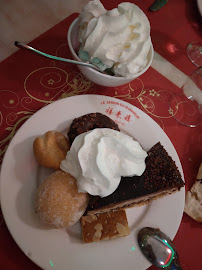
(158, 248)
(25, 46)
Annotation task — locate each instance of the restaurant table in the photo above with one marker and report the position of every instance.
(27, 85)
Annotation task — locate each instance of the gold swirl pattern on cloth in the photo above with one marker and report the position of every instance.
(44, 86)
(47, 84)
(54, 84)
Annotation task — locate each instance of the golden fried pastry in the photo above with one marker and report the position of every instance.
(199, 175)
(193, 202)
(104, 226)
(58, 202)
(50, 149)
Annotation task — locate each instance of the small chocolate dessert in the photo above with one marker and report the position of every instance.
(89, 122)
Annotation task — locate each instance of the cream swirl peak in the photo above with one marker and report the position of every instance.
(98, 159)
(120, 37)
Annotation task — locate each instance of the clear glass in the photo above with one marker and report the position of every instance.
(186, 108)
(194, 52)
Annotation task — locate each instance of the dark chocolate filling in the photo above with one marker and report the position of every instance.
(161, 174)
(89, 122)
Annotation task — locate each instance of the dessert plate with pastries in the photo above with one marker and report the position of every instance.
(82, 176)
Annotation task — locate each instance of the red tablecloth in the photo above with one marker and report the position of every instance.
(29, 82)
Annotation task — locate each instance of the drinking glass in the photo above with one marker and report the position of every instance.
(186, 107)
(194, 52)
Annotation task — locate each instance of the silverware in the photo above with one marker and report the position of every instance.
(158, 4)
(158, 248)
(25, 46)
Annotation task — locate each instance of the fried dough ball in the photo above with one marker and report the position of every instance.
(58, 202)
(50, 149)
(193, 202)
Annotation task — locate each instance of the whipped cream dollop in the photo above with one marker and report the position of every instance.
(98, 159)
(120, 37)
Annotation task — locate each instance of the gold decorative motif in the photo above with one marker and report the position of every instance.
(51, 81)
(153, 102)
(170, 112)
(11, 101)
(59, 83)
(12, 129)
(154, 93)
(63, 85)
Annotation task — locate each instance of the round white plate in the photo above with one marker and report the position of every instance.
(62, 250)
(199, 3)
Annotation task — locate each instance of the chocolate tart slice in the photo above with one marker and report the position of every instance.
(160, 178)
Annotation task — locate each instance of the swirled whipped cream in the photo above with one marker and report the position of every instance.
(119, 38)
(98, 159)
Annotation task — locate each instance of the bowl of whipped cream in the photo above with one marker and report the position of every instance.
(118, 41)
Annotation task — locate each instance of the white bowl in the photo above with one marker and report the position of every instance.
(93, 75)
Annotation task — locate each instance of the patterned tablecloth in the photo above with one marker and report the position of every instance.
(29, 82)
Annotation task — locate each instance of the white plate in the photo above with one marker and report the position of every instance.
(199, 3)
(62, 250)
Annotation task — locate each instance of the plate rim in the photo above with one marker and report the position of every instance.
(36, 115)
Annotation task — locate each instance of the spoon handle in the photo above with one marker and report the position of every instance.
(25, 46)
(175, 264)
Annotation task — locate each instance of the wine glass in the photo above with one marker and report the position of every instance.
(186, 107)
(194, 52)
